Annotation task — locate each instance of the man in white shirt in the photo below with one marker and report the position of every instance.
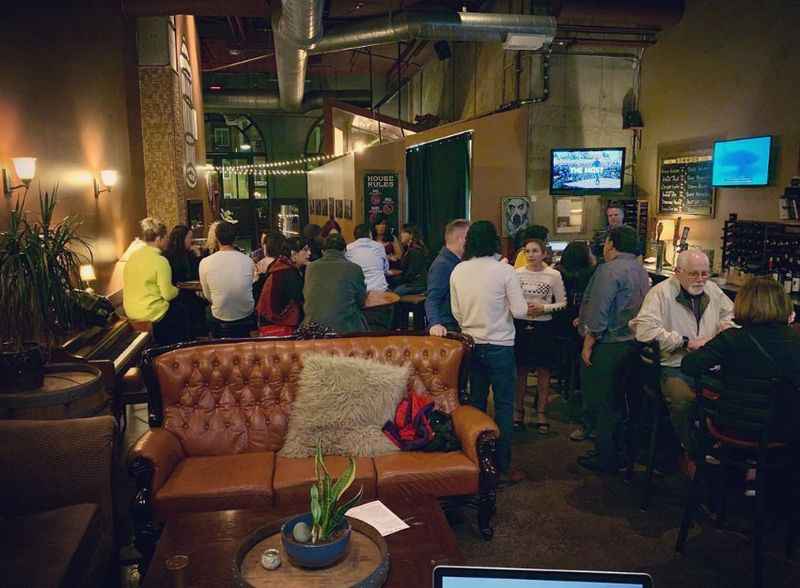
(371, 256)
(485, 295)
(227, 280)
(682, 313)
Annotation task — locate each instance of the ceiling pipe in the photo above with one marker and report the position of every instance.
(433, 26)
(296, 27)
(250, 101)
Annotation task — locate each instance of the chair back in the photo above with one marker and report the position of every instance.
(650, 366)
(751, 409)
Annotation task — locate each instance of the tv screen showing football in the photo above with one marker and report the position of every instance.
(741, 162)
(586, 171)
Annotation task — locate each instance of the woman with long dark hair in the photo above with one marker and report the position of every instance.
(184, 260)
(382, 233)
(577, 266)
(414, 262)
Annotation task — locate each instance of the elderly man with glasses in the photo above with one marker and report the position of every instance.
(682, 313)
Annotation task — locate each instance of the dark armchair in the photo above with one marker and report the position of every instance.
(55, 502)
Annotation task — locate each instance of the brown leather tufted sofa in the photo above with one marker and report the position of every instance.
(219, 413)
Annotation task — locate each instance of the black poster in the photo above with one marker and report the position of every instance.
(685, 186)
(380, 197)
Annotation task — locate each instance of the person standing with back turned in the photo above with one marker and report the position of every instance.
(612, 298)
(486, 296)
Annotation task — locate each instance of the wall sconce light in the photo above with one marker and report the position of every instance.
(25, 168)
(108, 177)
(87, 275)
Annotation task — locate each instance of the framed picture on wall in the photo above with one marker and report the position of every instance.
(339, 208)
(515, 214)
(331, 206)
(348, 209)
(568, 215)
(323, 211)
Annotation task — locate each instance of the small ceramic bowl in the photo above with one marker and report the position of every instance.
(271, 559)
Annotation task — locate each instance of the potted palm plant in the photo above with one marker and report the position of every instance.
(39, 264)
(320, 538)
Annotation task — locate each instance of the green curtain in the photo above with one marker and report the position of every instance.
(438, 186)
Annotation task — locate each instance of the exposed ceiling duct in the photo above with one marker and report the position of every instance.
(250, 101)
(435, 26)
(295, 29)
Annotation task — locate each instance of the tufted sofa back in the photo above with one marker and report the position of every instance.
(234, 397)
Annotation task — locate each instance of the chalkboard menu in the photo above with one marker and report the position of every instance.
(685, 186)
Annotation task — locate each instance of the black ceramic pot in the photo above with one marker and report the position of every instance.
(21, 370)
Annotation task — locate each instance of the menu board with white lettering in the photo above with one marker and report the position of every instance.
(685, 186)
(380, 197)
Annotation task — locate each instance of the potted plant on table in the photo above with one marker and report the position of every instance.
(319, 538)
(39, 264)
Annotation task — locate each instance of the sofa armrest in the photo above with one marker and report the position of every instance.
(469, 423)
(154, 456)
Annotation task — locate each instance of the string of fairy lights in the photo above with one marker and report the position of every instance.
(274, 168)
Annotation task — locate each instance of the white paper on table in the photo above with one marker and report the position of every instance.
(377, 514)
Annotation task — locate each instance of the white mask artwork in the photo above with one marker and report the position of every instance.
(515, 214)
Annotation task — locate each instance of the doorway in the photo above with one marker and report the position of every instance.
(438, 180)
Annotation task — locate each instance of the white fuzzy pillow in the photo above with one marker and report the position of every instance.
(344, 402)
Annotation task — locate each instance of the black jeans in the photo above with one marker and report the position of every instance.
(173, 326)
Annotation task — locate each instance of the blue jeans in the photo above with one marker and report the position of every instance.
(495, 365)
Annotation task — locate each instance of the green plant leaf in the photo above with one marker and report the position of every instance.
(316, 508)
(347, 478)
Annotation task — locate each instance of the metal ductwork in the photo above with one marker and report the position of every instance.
(297, 27)
(248, 101)
(434, 26)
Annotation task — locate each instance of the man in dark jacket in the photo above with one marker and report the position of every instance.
(335, 290)
(437, 298)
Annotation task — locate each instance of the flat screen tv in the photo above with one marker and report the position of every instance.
(741, 162)
(586, 171)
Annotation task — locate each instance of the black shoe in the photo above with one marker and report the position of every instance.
(519, 426)
(593, 464)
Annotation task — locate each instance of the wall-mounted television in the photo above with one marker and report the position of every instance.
(586, 171)
(741, 162)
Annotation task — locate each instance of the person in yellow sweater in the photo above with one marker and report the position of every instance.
(147, 286)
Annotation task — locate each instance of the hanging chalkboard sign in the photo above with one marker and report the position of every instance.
(685, 186)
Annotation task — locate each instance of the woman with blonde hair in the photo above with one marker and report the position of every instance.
(147, 287)
(212, 245)
(764, 347)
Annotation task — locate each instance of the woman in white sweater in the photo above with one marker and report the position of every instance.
(544, 292)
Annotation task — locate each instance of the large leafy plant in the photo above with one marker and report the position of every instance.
(326, 512)
(39, 264)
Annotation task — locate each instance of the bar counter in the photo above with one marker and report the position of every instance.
(729, 289)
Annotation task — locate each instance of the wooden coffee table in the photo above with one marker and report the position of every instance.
(210, 540)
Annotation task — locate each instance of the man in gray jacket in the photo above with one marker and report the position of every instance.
(335, 290)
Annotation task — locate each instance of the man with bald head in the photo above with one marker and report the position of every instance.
(682, 313)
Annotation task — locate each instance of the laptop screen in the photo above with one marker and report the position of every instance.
(474, 577)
